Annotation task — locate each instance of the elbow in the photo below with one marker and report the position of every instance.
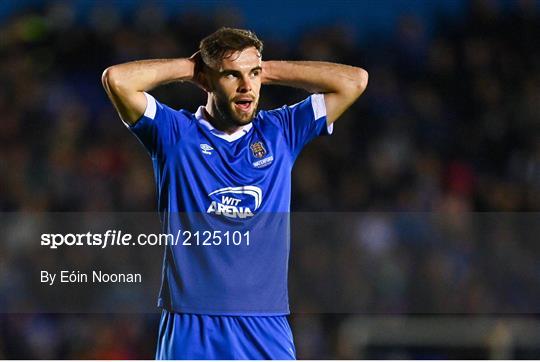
(106, 78)
(111, 80)
(356, 84)
(364, 77)
(361, 81)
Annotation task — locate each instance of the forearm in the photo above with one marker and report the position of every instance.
(125, 83)
(144, 75)
(341, 84)
(313, 76)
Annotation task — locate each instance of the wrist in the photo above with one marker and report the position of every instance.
(266, 76)
(275, 71)
(184, 69)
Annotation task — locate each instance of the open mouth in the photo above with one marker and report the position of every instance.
(243, 104)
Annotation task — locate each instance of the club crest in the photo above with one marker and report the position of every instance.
(258, 149)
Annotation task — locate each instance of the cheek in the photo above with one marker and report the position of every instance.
(257, 85)
(221, 93)
(226, 89)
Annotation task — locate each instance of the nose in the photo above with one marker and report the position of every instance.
(245, 85)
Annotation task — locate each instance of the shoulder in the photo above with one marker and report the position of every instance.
(312, 105)
(185, 114)
(178, 119)
(156, 109)
(271, 117)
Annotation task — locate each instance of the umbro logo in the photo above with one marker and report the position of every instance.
(206, 149)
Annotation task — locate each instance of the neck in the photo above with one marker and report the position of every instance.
(213, 116)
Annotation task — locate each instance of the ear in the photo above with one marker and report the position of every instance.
(199, 77)
(204, 80)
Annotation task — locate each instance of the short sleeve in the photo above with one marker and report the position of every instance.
(159, 126)
(302, 122)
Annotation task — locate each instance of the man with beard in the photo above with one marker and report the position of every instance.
(225, 297)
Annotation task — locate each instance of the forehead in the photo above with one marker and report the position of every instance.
(246, 59)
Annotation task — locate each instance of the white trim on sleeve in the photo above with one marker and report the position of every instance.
(330, 128)
(319, 109)
(150, 110)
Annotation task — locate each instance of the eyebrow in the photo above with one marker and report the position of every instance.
(232, 71)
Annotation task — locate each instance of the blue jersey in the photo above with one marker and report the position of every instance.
(226, 199)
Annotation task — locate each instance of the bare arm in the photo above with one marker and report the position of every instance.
(125, 83)
(341, 84)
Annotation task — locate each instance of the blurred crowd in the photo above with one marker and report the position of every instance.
(449, 124)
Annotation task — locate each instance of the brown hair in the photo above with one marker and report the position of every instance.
(221, 43)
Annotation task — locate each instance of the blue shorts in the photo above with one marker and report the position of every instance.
(195, 336)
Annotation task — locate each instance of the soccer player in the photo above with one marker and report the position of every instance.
(225, 297)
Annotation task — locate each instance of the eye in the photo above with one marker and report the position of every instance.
(230, 76)
(256, 73)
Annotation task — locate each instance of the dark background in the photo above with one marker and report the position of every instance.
(449, 124)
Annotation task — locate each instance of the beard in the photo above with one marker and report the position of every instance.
(228, 113)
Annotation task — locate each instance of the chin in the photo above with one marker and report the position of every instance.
(242, 121)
